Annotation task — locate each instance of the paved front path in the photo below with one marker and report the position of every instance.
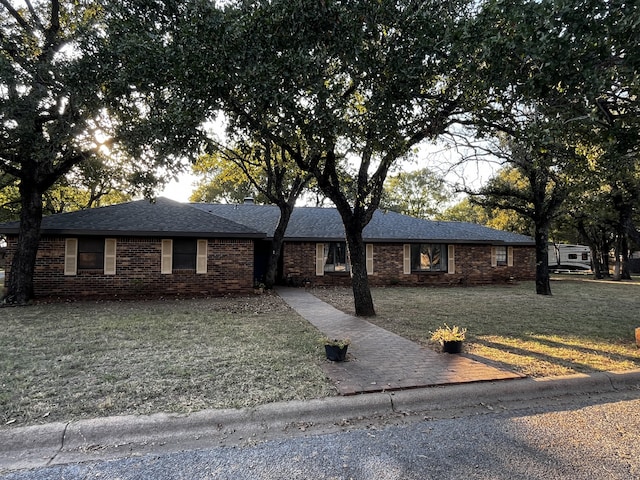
(379, 360)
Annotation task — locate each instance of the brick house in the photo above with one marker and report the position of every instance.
(401, 250)
(170, 248)
(140, 248)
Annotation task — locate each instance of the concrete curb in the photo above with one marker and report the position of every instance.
(505, 392)
(122, 436)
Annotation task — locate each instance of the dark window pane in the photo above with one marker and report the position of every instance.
(184, 254)
(90, 253)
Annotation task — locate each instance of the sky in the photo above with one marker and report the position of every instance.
(179, 190)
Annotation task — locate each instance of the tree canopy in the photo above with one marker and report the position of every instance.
(66, 99)
(419, 193)
(345, 88)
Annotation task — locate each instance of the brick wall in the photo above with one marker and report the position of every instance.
(229, 271)
(473, 267)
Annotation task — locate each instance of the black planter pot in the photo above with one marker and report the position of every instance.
(452, 346)
(335, 353)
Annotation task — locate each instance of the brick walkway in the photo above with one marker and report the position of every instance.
(379, 360)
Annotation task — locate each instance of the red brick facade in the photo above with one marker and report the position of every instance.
(230, 269)
(138, 260)
(472, 267)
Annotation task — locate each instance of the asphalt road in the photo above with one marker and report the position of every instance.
(590, 438)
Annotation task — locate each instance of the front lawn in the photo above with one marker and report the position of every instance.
(66, 361)
(585, 326)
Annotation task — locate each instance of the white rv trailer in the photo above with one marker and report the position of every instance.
(569, 257)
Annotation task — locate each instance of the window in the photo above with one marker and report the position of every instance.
(90, 253)
(184, 254)
(335, 257)
(573, 256)
(585, 256)
(501, 255)
(428, 257)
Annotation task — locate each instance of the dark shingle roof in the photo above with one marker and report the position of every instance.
(310, 223)
(141, 218)
(166, 217)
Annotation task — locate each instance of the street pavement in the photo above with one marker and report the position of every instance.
(127, 436)
(581, 437)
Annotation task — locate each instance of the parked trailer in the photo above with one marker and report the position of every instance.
(569, 257)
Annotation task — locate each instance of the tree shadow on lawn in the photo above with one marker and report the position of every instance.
(565, 362)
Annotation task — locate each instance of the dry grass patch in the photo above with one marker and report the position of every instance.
(585, 326)
(61, 362)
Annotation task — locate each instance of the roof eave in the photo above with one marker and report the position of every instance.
(142, 233)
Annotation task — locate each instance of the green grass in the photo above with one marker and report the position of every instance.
(585, 326)
(60, 362)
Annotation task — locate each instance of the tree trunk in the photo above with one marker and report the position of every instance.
(596, 264)
(617, 264)
(278, 240)
(625, 274)
(20, 288)
(359, 280)
(621, 264)
(543, 284)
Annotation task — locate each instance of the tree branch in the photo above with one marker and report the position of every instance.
(16, 15)
(34, 14)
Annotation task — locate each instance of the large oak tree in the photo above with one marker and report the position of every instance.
(344, 88)
(49, 108)
(75, 83)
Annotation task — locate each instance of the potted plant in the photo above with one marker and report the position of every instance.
(336, 349)
(450, 338)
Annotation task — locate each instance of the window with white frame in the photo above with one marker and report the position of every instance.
(333, 257)
(501, 255)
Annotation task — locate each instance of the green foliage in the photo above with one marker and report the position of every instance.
(221, 181)
(563, 87)
(49, 103)
(419, 194)
(93, 183)
(467, 210)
